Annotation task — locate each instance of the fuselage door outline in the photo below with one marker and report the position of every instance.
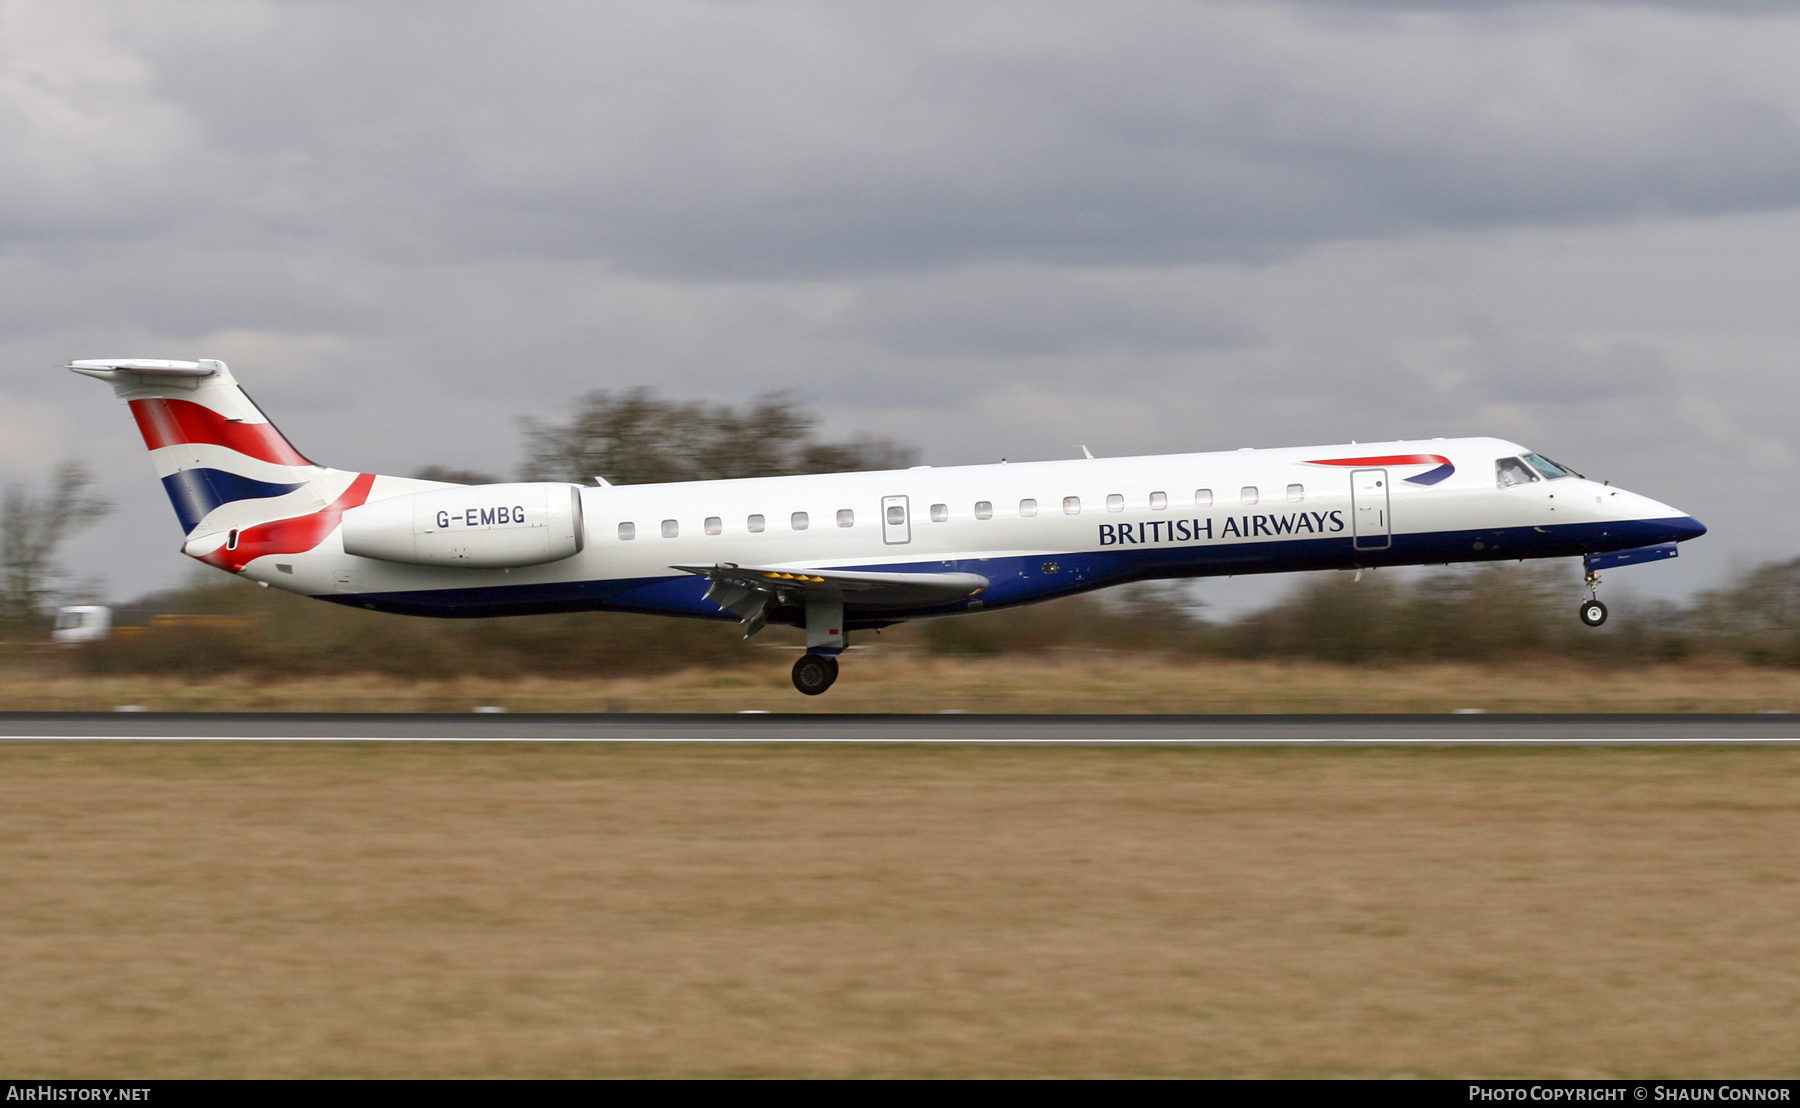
(1371, 521)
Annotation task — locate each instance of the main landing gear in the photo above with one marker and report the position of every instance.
(817, 668)
(1593, 613)
(814, 673)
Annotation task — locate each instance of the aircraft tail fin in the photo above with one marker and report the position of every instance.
(224, 466)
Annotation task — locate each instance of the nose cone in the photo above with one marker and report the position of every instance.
(1650, 521)
(1685, 528)
(1670, 523)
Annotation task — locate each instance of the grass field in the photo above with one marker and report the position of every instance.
(901, 682)
(366, 909)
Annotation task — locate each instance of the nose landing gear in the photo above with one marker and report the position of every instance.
(814, 673)
(1593, 613)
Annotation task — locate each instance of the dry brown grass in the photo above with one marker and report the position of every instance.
(270, 909)
(901, 682)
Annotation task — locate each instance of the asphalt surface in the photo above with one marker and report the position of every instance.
(944, 728)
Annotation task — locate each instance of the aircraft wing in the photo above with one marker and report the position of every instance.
(749, 592)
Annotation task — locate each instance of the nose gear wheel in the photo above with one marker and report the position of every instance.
(1593, 613)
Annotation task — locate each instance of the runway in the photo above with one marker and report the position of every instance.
(947, 729)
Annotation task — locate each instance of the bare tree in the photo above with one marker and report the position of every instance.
(32, 530)
(636, 438)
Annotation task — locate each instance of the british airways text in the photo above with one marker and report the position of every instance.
(1201, 530)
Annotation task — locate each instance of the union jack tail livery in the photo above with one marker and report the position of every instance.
(236, 483)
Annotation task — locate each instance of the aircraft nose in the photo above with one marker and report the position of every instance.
(1656, 521)
(1685, 528)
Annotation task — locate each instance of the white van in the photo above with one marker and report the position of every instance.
(79, 623)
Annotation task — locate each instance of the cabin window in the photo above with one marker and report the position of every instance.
(1202, 498)
(1248, 494)
(1296, 493)
(755, 524)
(670, 528)
(1549, 468)
(714, 525)
(1159, 501)
(940, 513)
(846, 518)
(1115, 502)
(627, 532)
(1028, 508)
(798, 520)
(984, 509)
(1071, 505)
(1512, 471)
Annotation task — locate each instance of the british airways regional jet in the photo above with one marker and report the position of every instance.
(843, 552)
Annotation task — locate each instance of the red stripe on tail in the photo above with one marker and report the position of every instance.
(291, 536)
(172, 422)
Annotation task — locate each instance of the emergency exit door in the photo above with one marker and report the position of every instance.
(1371, 526)
(896, 520)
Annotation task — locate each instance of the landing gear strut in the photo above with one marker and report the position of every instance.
(817, 668)
(1593, 613)
(814, 673)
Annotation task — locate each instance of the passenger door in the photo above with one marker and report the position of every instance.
(1370, 526)
(896, 520)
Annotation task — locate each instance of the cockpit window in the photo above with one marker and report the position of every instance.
(1549, 468)
(1513, 471)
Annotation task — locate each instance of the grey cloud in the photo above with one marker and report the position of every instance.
(810, 139)
(168, 286)
(1543, 371)
(1017, 312)
(90, 150)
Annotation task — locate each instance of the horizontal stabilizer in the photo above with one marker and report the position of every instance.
(155, 367)
(1614, 558)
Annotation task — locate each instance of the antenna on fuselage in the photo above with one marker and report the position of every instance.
(1086, 453)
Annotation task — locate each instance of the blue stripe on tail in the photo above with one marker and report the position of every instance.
(195, 492)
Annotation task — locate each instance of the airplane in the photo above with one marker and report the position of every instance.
(843, 552)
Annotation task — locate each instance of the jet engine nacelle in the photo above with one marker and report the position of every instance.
(474, 526)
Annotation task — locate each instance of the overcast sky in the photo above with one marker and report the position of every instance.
(987, 229)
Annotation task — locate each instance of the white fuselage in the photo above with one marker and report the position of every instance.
(1035, 530)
